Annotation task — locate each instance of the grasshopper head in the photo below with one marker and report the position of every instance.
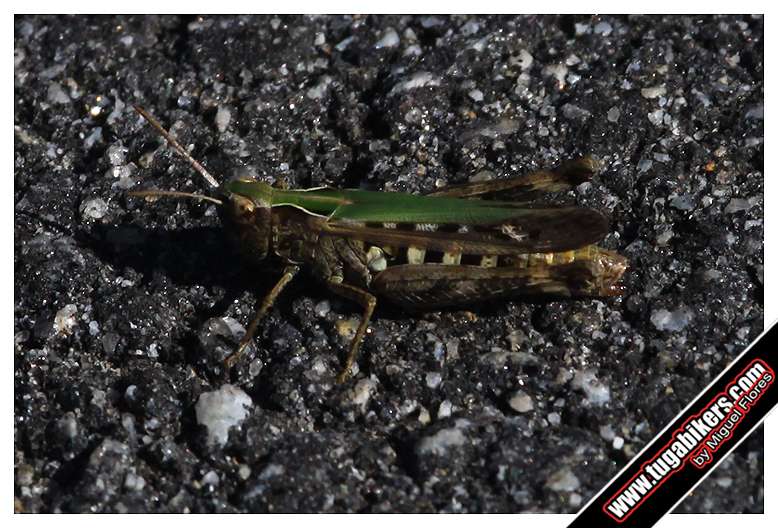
(246, 215)
(244, 204)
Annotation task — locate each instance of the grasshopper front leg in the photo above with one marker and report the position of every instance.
(267, 302)
(368, 302)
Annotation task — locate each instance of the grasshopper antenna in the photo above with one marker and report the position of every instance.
(177, 146)
(176, 194)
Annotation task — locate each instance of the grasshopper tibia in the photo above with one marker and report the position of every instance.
(368, 302)
(267, 302)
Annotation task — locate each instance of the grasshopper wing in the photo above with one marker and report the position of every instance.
(565, 177)
(448, 224)
(478, 227)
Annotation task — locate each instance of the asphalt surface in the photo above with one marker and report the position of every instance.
(512, 407)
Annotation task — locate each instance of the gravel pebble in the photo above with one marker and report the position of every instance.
(222, 409)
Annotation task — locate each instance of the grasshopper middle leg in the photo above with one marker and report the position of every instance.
(267, 302)
(368, 302)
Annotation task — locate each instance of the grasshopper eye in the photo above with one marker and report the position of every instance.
(243, 205)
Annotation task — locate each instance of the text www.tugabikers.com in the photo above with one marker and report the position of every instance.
(696, 440)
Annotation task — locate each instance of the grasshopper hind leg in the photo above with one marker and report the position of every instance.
(368, 302)
(267, 303)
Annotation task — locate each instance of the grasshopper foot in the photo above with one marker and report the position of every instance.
(233, 358)
(343, 375)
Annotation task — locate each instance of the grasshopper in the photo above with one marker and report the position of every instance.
(449, 248)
